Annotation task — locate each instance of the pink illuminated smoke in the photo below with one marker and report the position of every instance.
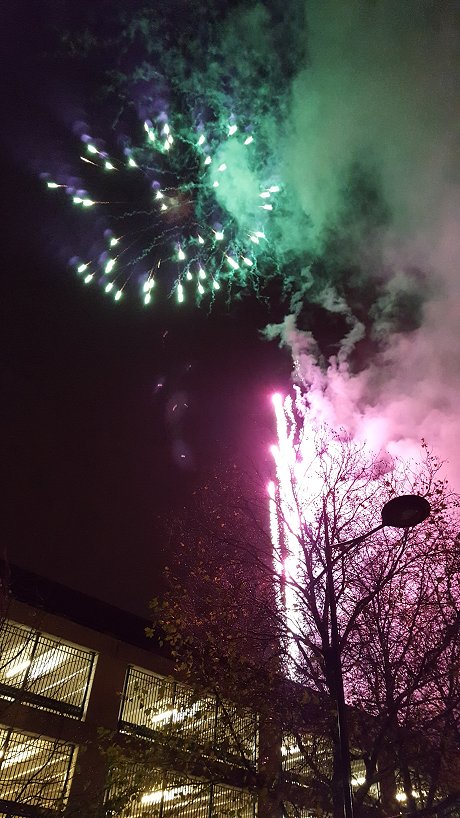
(317, 469)
(380, 90)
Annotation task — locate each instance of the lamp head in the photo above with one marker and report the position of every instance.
(405, 511)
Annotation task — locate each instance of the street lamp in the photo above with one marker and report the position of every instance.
(405, 512)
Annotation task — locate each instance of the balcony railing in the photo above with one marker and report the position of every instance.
(158, 708)
(34, 772)
(44, 672)
(154, 794)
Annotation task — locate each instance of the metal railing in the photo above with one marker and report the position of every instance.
(152, 794)
(44, 672)
(159, 708)
(34, 770)
(315, 749)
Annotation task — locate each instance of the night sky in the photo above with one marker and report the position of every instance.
(93, 466)
(115, 414)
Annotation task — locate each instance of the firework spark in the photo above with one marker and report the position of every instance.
(161, 211)
(319, 471)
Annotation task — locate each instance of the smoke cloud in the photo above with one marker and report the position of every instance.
(369, 152)
(353, 106)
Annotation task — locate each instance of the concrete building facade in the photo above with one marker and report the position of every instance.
(75, 672)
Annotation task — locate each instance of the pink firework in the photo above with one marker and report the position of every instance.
(326, 485)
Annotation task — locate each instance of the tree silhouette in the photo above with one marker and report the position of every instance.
(248, 615)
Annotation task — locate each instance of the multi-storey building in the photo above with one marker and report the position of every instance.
(76, 673)
(93, 722)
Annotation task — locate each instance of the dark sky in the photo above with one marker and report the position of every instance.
(96, 456)
(92, 466)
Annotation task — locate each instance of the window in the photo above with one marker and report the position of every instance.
(34, 770)
(154, 706)
(44, 672)
(314, 757)
(420, 788)
(154, 794)
(294, 811)
(291, 755)
(358, 777)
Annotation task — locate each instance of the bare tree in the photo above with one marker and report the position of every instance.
(248, 614)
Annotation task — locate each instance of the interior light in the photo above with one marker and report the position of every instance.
(17, 754)
(17, 669)
(45, 663)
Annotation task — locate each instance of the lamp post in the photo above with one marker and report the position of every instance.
(405, 512)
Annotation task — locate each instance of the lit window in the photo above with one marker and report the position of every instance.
(44, 672)
(316, 753)
(152, 704)
(294, 811)
(358, 778)
(34, 770)
(142, 793)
